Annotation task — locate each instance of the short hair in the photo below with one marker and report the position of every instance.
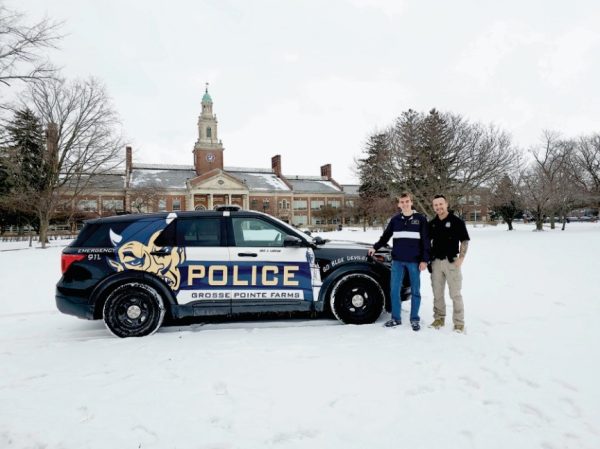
(439, 196)
(404, 195)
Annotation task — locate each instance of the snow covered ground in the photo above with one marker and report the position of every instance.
(524, 376)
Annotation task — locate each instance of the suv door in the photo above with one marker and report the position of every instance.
(266, 275)
(204, 274)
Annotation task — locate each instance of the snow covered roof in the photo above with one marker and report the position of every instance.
(105, 181)
(162, 166)
(350, 189)
(265, 181)
(248, 170)
(161, 178)
(312, 184)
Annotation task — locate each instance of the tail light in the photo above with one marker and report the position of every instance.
(67, 259)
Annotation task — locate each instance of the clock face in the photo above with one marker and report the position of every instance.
(210, 157)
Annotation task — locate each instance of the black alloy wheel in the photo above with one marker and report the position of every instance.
(357, 298)
(133, 310)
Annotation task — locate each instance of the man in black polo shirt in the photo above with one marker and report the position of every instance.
(449, 244)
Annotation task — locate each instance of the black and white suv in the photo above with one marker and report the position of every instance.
(133, 270)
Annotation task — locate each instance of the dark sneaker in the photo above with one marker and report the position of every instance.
(459, 328)
(393, 323)
(437, 323)
(416, 326)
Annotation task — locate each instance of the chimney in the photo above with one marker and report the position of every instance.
(276, 165)
(128, 160)
(326, 171)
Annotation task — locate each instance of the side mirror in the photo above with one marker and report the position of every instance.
(318, 240)
(290, 240)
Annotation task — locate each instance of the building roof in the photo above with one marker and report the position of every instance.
(143, 165)
(260, 181)
(105, 181)
(312, 184)
(160, 178)
(206, 98)
(350, 189)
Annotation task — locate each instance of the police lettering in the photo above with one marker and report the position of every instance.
(264, 276)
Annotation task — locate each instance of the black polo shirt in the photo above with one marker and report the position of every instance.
(445, 236)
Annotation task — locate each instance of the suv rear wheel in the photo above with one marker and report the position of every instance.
(133, 310)
(357, 298)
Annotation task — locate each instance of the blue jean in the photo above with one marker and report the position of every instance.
(415, 286)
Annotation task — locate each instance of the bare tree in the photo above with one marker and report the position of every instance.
(587, 161)
(22, 47)
(83, 141)
(144, 198)
(548, 182)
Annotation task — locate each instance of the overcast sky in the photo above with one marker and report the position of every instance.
(311, 80)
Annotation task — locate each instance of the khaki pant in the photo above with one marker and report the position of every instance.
(443, 271)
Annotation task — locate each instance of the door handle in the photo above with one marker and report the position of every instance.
(247, 254)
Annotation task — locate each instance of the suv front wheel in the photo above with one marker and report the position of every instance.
(133, 310)
(357, 298)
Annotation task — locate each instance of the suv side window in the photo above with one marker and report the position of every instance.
(199, 231)
(251, 231)
(97, 235)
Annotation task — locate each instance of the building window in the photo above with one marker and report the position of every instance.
(300, 220)
(284, 204)
(349, 203)
(176, 204)
(317, 204)
(300, 204)
(334, 203)
(475, 215)
(265, 205)
(112, 205)
(208, 133)
(88, 205)
(162, 205)
(254, 204)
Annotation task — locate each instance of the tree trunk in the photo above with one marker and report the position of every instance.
(552, 221)
(564, 222)
(509, 223)
(539, 221)
(44, 223)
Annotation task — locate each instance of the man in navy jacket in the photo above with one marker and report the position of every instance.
(410, 250)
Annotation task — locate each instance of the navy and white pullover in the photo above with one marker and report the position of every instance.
(411, 238)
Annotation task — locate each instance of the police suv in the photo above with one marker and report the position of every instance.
(132, 271)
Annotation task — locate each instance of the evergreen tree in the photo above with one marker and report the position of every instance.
(22, 174)
(374, 192)
(25, 138)
(506, 201)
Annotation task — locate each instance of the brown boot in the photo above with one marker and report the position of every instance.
(460, 328)
(437, 323)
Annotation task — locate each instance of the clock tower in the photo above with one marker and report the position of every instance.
(208, 150)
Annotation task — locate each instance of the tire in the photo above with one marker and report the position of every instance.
(133, 310)
(357, 298)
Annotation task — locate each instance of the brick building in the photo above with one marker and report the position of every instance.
(208, 183)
